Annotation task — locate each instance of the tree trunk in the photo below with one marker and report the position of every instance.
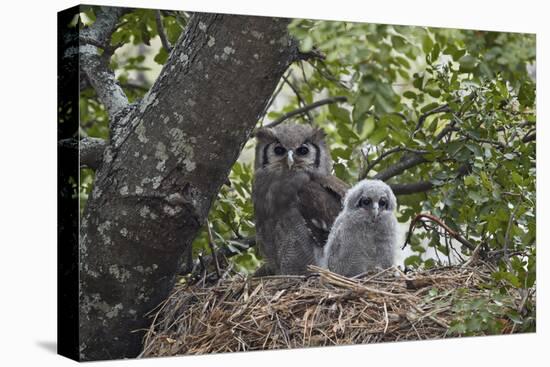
(165, 163)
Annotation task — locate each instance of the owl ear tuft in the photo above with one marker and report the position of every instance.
(318, 135)
(265, 134)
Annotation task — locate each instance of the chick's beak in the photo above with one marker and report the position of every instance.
(375, 210)
(290, 159)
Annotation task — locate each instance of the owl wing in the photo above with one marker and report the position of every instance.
(319, 203)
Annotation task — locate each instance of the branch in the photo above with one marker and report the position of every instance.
(212, 246)
(223, 252)
(527, 123)
(411, 188)
(304, 76)
(305, 109)
(447, 129)
(326, 73)
(90, 150)
(423, 186)
(407, 162)
(495, 143)
(314, 54)
(135, 86)
(441, 109)
(529, 137)
(298, 96)
(385, 154)
(95, 64)
(280, 86)
(162, 34)
(474, 256)
(415, 159)
(108, 49)
(507, 236)
(438, 221)
(379, 159)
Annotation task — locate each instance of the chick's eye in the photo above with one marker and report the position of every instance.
(303, 150)
(365, 202)
(279, 150)
(382, 203)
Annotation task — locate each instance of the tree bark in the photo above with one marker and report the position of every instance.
(165, 163)
(94, 63)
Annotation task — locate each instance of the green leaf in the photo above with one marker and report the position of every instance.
(362, 105)
(341, 153)
(418, 81)
(467, 63)
(516, 178)
(427, 44)
(409, 95)
(173, 28)
(473, 324)
(506, 276)
(458, 328)
(455, 52)
(475, 196)
(400, 136)
(434, 92)
(368, 127)
(339, 113)
(470, 180)
(340, 170)
(429, 264)
(307, 44)
(429, 107)
(161, 56)
(346, 133)
(403, 61)
(378, 136)
(398, 42)
(413, 261)
(514, 316)
(526, 94)
(434, 54)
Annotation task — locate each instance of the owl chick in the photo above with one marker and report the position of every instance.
(296, 199)
(364, 234)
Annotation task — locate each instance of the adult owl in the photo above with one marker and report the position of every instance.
(363, 237)
(296, 198)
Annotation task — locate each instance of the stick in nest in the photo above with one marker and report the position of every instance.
(237, 314)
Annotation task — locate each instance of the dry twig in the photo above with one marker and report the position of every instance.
(239, 313)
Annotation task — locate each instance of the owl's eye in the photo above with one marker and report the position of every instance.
(303, 150)
(279, 150)
(365, 202)
(383, 203)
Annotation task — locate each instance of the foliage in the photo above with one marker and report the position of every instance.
(232, 220)
(462, 100)
(489, 314)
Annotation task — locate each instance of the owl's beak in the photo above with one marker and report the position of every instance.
(290, 159)
(375, 210)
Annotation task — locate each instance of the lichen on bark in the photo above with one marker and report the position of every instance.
(167, 161)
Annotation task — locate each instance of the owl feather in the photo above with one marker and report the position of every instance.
(296, 199)
(363, 237)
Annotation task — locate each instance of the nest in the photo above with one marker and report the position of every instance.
(242, 314)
